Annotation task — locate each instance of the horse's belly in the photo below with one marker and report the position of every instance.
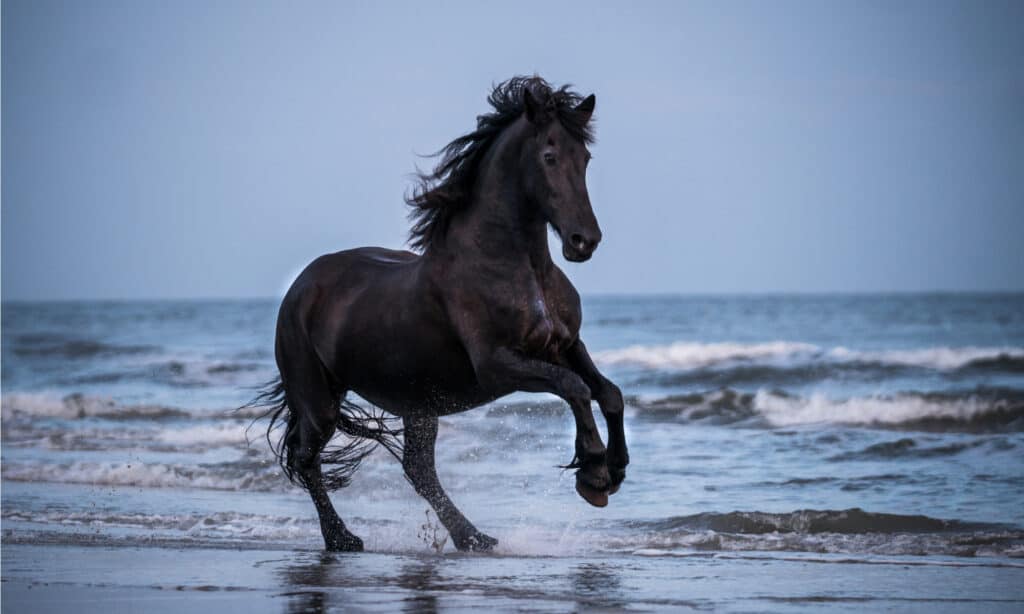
(415, 379)
(425, 396)
(405, 403)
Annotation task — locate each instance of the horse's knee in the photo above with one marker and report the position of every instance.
(591, 450)
(575, 391)
(610, 399)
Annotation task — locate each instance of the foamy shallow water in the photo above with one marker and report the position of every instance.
(779, 431)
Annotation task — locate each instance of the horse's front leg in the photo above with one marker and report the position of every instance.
(418, 462)
(609, 398)
(503, 370)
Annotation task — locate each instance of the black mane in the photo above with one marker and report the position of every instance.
(442, 193)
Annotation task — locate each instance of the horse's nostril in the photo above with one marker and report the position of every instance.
(578, 241)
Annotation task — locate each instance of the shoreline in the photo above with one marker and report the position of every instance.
(104, 577)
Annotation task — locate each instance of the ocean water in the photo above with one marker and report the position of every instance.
(825, 428)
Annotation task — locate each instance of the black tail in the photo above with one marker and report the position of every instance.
(364, 428)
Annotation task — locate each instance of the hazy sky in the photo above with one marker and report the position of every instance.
(211, 149)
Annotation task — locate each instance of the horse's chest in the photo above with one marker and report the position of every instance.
(544, 333)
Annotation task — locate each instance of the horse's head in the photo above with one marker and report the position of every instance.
(554, 167)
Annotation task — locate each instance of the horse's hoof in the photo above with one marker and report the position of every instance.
(477, 542)
(343, 543)
(597, 498)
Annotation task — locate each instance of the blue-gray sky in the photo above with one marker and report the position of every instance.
(211, 149)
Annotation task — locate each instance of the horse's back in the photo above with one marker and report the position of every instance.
(342, 272)
(332, 268)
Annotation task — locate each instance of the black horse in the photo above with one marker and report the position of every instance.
(481, 311)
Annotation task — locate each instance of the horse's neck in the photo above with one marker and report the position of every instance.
(499, 226)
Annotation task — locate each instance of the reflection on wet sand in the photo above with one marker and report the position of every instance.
(317, 584)
(304, 582)
(597, 585)
(418, 577)
(323, 582)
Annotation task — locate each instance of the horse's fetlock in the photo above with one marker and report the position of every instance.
(618, 457)
(591, 452)
(596, 475)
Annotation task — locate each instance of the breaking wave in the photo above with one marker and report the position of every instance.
(796, 358)
(852, 531)
(683, 355)
(982, 411)
(74, 406)
(849, 521)
(979, 411)
(212, 525)
(246, 475)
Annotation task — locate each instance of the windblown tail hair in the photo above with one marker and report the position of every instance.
(364, 429)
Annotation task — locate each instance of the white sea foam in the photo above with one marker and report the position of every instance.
(690, 355)
(148, 475)
(45, 405)
(205, 435)
(898, 409)
(50, 406)
(943, 358)
(685, 355)
(218, 525)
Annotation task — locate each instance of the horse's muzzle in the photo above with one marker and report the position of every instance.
(579, 247)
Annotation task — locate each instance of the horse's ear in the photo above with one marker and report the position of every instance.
(586, 108)
(534, 112)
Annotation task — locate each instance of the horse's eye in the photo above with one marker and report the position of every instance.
(549, 158)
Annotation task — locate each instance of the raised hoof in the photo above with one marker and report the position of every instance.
(593, 482)
(477, 542)
(346, 542)
(597, 498)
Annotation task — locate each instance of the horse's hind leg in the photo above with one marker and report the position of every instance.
(312, 422)
(418, 462)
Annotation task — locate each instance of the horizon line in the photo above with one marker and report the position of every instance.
(640, 294)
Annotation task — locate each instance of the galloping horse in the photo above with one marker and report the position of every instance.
(479, 312)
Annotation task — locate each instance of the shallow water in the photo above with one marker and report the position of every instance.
(87, 579)
(860, 428)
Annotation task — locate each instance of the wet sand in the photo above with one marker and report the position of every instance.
(83, 579)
